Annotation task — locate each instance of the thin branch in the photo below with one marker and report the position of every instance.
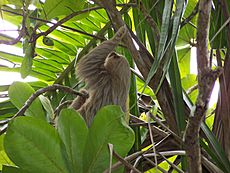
(13, 41)
(155, 129)
(152, 141)
(191, 89)
(60, 107)
(165, 127)
(166, 153)
(158, 167)
(191, 16)
(125, 163)
(39, 92)
(172, 164)
(128, 158)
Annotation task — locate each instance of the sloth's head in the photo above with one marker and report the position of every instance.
(117, 65)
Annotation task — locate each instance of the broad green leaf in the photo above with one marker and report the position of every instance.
(11, 17)
(3, 2)
(188, 82)
(12, 169)
(17, 3)
(64, 36)
(33, 144)
(11, 57)
(54, 8)
(108, 126)
(37, 84)
(7, 109)
(184, 61)
(54, 55)
(73, 132)
(4, 88)
(65, 47)
(4, 159)
(147, 91)
(19, 92)
(37, 74)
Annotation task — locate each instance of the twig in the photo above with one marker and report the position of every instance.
(128, 158)
(192, 88)
(191, 16)
(151, 162)
(166, 153)
(39, 92)
(165, 127)
(60, 107)
(155, 129)
(173, 165)
(13, 41)
(151, 138)
(125, 163)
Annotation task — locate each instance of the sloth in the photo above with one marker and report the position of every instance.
(107, 78)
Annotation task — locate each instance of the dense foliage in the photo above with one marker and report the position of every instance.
(166, 95)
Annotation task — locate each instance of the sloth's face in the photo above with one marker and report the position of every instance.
(117, 65)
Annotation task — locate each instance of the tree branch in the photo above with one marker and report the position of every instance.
(39, 92)
(206, 81)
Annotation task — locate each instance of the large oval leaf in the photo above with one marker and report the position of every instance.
(108, 126)
(11, 169)
(19, 92)
(73, 132)
(34, 145)
(4, 160)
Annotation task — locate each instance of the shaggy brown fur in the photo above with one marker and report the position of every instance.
(107, 77)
